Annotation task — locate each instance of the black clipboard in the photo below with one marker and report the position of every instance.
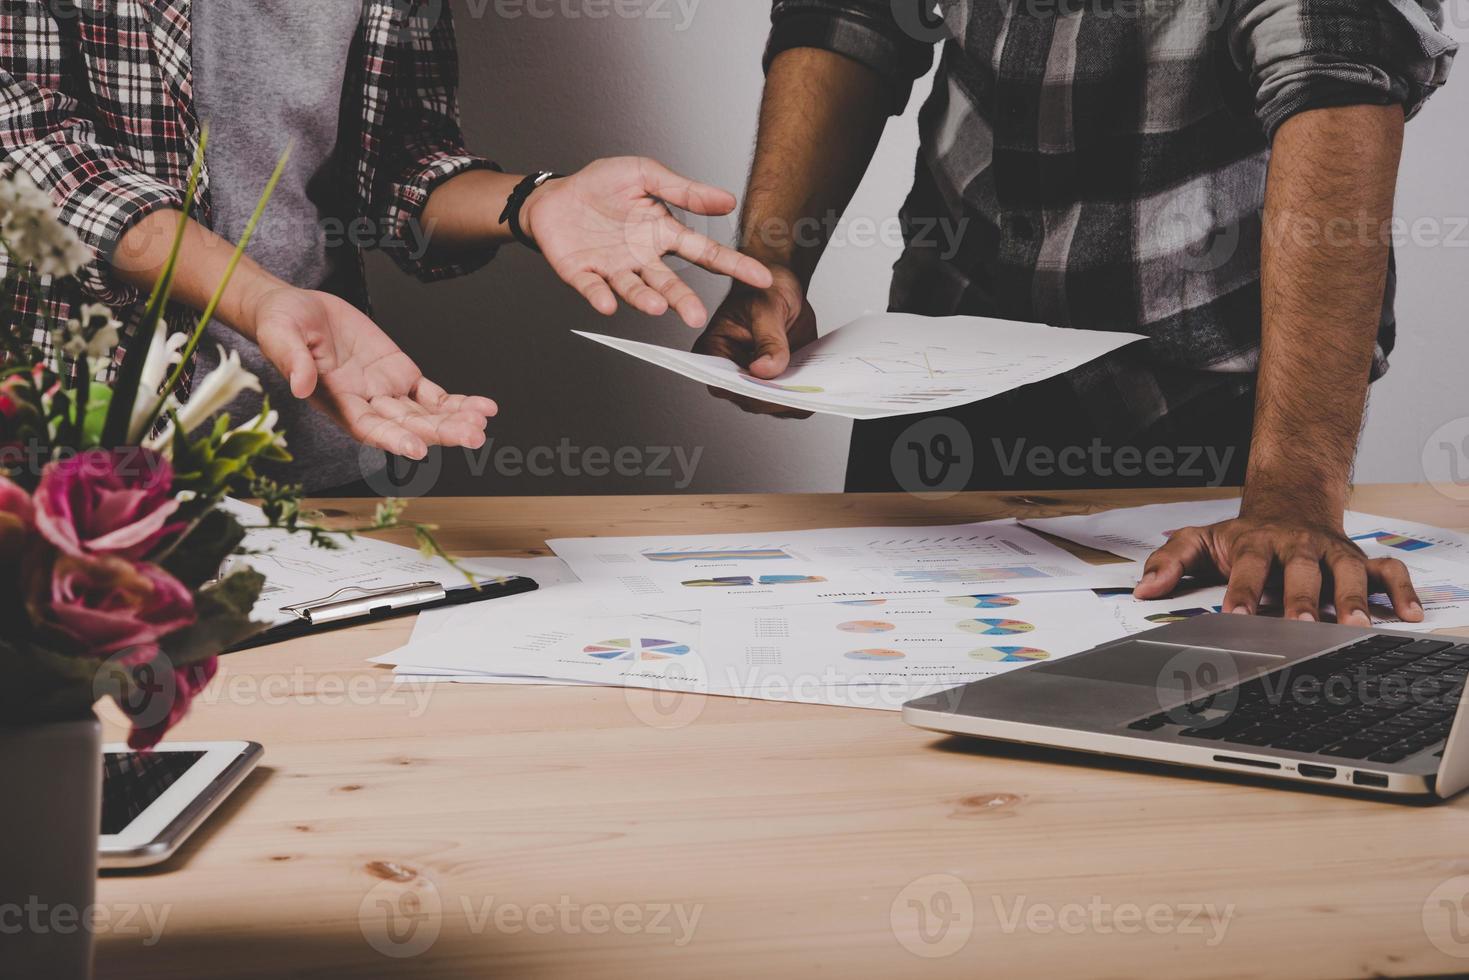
(353, 606)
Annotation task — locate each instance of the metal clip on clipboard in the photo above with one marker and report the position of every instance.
(355, 602)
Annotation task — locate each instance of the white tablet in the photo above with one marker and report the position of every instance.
(153, 801)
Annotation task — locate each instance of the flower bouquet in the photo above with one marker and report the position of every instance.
(111, 537)
(112, 540)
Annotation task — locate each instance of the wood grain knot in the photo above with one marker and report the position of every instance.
(390, 871)
(985, 804)
(349, 788)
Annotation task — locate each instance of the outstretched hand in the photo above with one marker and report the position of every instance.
(606, 229)
(335, 355)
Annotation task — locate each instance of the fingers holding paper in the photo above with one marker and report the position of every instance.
(758, 329)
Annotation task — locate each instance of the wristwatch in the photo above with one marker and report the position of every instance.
(516, 201)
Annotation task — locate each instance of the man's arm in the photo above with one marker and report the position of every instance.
(1333, 83)
(820, 122)
(1329, 197)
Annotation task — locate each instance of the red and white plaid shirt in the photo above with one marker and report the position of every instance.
(96, 107)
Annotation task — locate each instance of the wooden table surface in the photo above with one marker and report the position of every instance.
(475, 831)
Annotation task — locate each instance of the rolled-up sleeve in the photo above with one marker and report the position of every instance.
(1316, 54)
(428, 145)
(894, 38)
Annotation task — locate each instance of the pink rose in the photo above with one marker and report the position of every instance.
(187, 682)
(107, 502)
(17, 520)
(100, 606)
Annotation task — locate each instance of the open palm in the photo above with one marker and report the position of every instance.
(606, 229)
(332, 353)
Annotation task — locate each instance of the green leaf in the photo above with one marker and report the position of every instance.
(223, 622)
(196, 558)
(97, 408)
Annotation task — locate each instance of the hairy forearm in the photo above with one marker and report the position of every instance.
(1323, 273)
(820, 122)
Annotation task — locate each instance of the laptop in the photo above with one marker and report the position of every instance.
(1373, 711)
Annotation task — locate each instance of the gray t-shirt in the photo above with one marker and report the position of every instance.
(268, 73)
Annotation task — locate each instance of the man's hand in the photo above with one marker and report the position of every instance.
(1311, 561)
(333, 354)
(606, 229)
(758, 329)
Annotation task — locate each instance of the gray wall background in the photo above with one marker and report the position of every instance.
(681, 82)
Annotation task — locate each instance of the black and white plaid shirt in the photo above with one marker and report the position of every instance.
(1102, 162)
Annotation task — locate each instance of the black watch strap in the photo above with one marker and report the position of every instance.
(516, 201)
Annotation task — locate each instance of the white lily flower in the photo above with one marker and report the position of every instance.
(264, 422)
(211, 396)
(164, 355)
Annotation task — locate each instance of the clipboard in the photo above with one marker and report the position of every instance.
(353, 606)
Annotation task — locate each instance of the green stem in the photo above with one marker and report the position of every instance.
(208, 315)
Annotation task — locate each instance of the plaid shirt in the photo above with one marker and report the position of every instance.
(1103, 164)
(96, 106)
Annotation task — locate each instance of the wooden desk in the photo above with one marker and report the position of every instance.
(796, 832)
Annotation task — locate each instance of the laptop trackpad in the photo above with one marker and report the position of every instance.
(1165, 666)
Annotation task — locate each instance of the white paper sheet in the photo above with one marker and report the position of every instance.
(1136, 532)
(834, 564)
(892, 650)
(296, 572)
(426, 675)
(889, 364)
(1445, 606)
(905, 646)
(603, 649)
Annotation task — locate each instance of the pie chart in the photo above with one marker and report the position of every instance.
(879, 655)
(629, 649)
(983, 601)
(866, 626)
(1008, 655)
(995, 627)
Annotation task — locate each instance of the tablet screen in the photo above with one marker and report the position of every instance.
(131, 781)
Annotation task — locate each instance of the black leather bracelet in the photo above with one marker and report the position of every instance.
(516, 201)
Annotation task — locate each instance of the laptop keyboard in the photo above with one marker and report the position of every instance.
(1382, 699)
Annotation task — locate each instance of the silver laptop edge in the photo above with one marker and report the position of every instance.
(1086, 702)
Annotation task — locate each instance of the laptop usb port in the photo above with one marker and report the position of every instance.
(1375, 779)
(1316, 772)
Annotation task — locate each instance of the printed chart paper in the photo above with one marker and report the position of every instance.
(1136, 532)
(891, 364)
(906, 646)
(297, 572)
(605, 649)
(834, 564)
(870, 653)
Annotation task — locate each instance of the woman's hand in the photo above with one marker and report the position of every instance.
(606, 229)
(335, 355)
